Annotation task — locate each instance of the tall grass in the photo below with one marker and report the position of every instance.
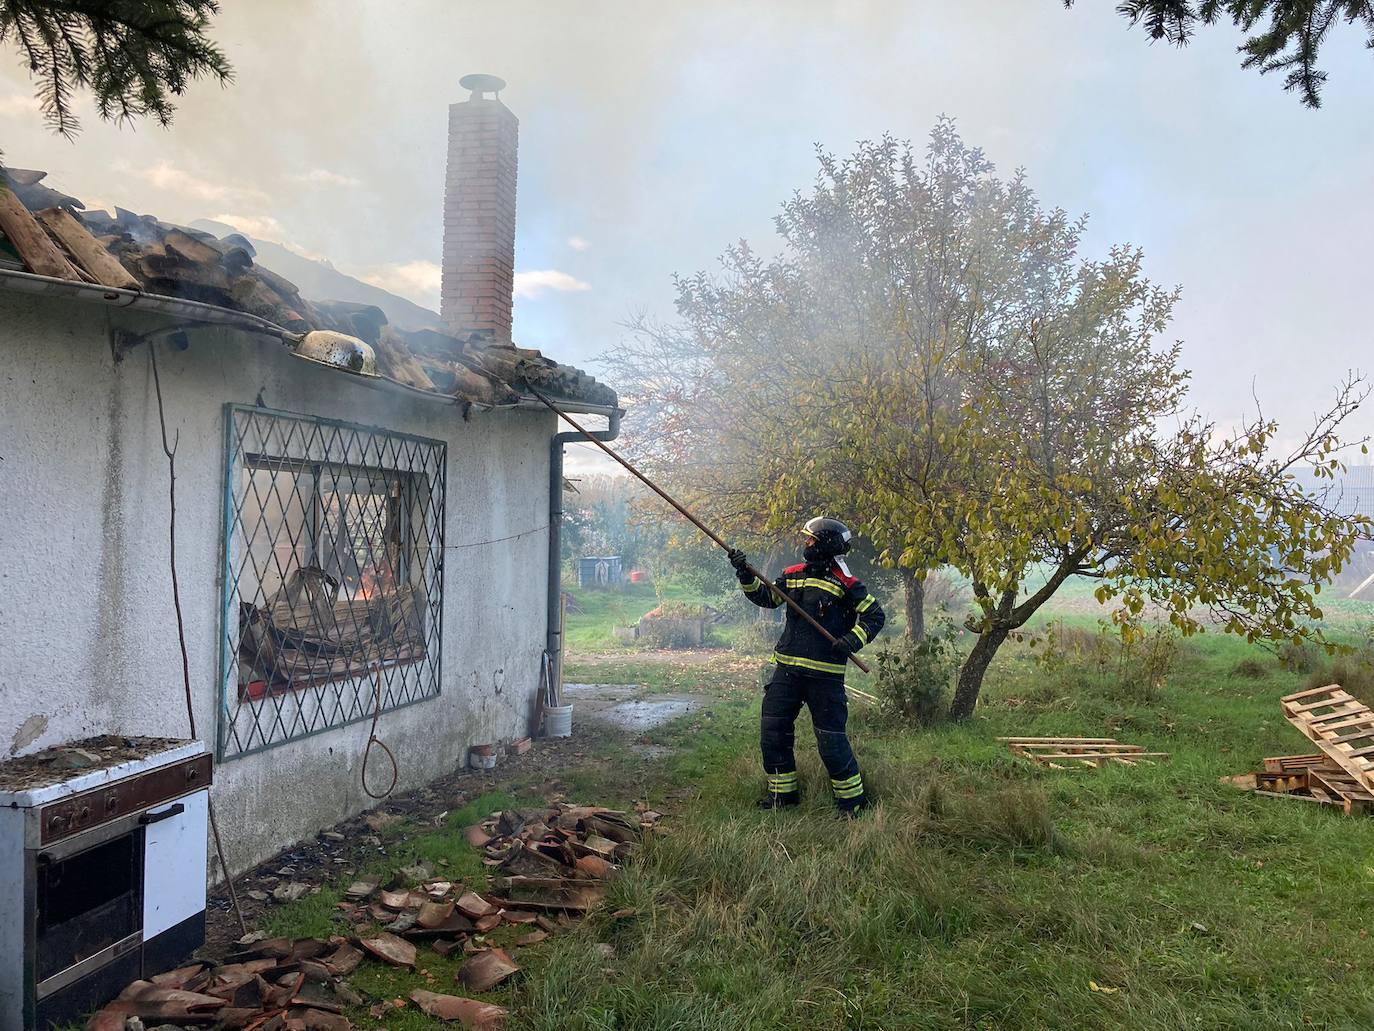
(981, 891)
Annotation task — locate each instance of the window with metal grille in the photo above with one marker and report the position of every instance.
(333, 575)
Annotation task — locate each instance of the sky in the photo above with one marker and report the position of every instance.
(654, 135)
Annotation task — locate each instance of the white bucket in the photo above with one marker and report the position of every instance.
(558, 721)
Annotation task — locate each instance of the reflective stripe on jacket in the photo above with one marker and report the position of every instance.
(840, 603)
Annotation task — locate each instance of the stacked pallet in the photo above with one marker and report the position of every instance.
(1341, 774)
(1338, 724)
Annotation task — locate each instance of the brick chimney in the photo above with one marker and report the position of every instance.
(479, 212)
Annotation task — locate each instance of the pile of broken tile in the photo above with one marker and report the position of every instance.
(548, 867)
(273, 985)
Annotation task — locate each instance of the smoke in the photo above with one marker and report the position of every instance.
(665, 132)
(541, 281)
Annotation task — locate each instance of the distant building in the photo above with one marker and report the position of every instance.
(602, 571)
(1350, 493)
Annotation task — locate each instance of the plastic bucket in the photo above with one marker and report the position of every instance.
(558, 720)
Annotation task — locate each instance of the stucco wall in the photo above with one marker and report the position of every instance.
(87, 631)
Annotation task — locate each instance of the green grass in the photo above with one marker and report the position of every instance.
(601, 609)
(982, 892)
(598, 611)
(987, 893)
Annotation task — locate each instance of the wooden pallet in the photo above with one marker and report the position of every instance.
(1294, 782)
(1293, 763)
(1075, 753)
(1334, 786)
(1338, 724)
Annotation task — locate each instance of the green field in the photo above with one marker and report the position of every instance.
(981, 892)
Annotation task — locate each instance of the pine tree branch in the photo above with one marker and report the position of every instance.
(1290, 42)
(133, 55)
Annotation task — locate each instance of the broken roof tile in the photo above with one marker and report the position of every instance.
(163, 259)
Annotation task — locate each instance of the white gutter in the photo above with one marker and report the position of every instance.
(198, 311)
(115, 297)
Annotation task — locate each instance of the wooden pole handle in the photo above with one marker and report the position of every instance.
(682, 510)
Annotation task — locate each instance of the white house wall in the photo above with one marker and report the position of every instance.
(88, 640)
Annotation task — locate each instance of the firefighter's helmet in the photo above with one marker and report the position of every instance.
(831, 536)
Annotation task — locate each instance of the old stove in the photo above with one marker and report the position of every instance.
(102, 871)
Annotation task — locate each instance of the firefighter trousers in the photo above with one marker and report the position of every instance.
(787, 691)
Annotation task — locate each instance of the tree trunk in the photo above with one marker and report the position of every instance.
(914, 586)
(971, 673)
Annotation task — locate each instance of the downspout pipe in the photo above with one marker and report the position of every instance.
(554, 643)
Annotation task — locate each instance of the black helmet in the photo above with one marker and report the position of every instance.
(832, 536)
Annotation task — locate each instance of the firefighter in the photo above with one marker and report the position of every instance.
(809, 669)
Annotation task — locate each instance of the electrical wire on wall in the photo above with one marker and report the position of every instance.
(496, 540)
(374, 741)
(170, 450)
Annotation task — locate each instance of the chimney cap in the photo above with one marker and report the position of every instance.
(479, 84)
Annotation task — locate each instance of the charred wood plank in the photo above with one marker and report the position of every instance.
(192, 250)
(40, 254)
(104, 268)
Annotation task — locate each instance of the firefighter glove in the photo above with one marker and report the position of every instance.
(739, 560)
(849, 643)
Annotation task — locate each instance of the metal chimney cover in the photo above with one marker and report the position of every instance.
(479, 84)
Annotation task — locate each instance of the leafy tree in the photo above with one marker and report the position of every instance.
(1286, 35)
(877, 265)
(931, 347)
(133, 55)
(1073, 456)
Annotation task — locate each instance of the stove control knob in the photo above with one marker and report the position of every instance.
(57, 823)
(112, 803)
(84, 814)
(192, 773)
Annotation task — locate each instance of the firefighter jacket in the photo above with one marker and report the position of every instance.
(836, 600)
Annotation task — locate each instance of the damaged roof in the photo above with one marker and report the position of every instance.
(50, 233)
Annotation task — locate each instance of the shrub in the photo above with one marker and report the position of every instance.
(1252, 669)
(1300, 657)
(1062, 649)
(757, 637)
(674, 624)
(1147, 661)
(1134, 664)
(670, 633)
(1354, 672)
(914, 677)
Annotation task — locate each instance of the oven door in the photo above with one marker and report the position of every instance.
(174, 860)
(87, 904)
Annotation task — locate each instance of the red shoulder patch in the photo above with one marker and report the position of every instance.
(838, 574)
(800, 567)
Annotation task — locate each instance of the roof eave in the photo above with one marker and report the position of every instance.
(199, 312)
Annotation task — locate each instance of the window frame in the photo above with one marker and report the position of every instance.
(425, 486)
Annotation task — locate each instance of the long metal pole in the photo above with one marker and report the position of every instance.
(695, 522)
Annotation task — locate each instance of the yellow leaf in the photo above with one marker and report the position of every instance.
(1102, 988)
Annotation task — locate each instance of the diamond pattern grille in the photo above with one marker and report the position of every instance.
(333, 574)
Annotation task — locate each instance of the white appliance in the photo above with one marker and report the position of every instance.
(102, 872)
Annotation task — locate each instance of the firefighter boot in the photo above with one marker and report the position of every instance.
(782, 791)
